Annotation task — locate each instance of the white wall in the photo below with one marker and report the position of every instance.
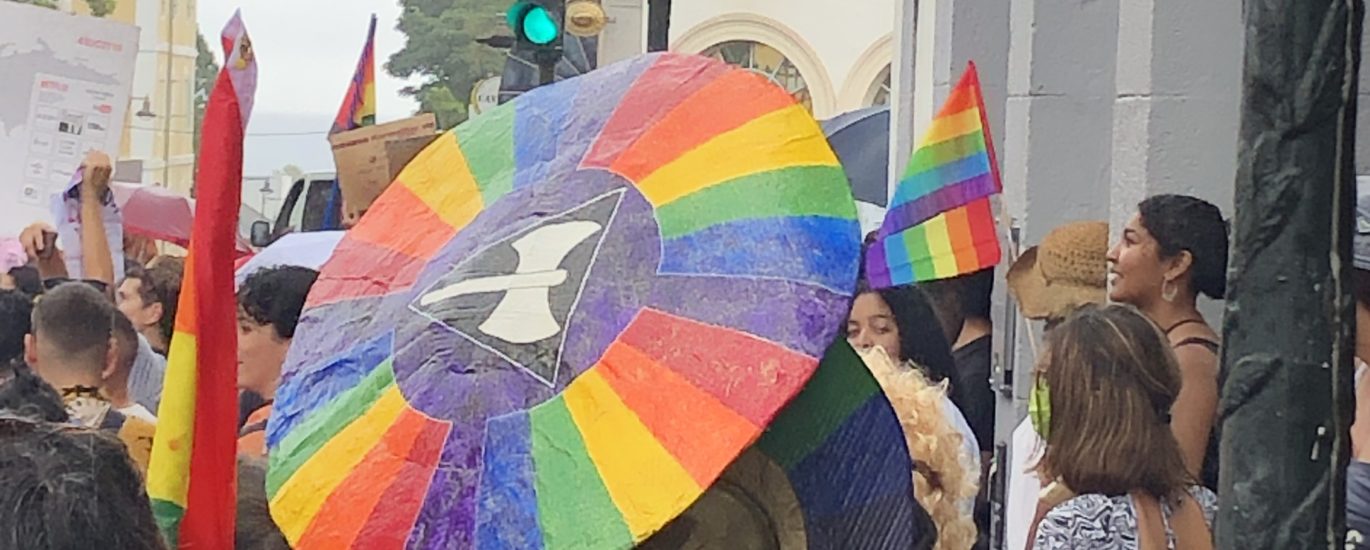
(847, 42)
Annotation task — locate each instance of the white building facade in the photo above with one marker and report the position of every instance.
(832, 59)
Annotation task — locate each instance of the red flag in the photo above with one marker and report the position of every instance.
(192, 477)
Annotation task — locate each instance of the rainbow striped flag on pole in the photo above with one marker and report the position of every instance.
(359, 105)
(192, 477)
(939, 223)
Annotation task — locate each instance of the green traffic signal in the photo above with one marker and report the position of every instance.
(534, 23)
(539, 26)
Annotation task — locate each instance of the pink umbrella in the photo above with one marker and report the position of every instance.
(159, 213)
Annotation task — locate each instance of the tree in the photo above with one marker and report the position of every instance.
(206, 71)
(443, 53)
(101, 8)
(449, 110)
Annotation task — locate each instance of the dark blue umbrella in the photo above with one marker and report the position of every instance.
(861, 140)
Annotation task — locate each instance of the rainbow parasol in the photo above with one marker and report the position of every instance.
(832, 471)
(565, 318)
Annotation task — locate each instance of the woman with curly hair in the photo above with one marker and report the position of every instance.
(943, 482)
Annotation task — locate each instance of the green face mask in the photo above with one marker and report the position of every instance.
(1039, 408)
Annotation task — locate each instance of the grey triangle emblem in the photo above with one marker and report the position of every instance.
(515, 297)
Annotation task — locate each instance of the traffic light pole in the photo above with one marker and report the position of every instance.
(547, 72)
(1287, 359)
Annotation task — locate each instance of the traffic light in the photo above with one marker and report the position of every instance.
(538, 26)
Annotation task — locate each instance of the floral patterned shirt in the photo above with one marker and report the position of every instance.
(1102, 522)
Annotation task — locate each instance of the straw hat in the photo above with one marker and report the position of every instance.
(1069, 269)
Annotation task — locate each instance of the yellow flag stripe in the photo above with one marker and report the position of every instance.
(939, 245)
(952, 126)
(166, 478)
(301, 496)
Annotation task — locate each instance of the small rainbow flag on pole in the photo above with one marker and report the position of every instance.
(939, 223)
(359, 105)
(192, 477)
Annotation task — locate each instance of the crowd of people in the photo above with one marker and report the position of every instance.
(82, 361)
(1118, 449)
(1120, 446)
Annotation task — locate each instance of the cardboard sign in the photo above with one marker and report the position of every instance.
(364, 168)
(402, 151)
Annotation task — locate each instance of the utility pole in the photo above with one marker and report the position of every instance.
(1287, 361)
(166, 113)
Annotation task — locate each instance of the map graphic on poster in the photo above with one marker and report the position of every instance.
(65, 92)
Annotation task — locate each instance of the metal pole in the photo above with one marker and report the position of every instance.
(1287, 360)
(547, 72)
(166, 115)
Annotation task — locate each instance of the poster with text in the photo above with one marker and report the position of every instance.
(65, 91)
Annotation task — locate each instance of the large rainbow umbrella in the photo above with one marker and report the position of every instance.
(566, 317)
(832, 471)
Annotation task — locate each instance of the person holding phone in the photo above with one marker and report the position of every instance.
(97, 261)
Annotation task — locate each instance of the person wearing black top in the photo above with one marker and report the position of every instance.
(963, 307)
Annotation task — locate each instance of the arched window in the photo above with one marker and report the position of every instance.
(766, 61)
(880, 90)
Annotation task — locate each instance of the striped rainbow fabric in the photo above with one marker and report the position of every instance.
(191, 476)
(940, 223)
(390, 431)
(359, 105)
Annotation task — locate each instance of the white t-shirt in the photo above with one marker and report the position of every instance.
(138, 411)
(1023, 486)
(968, 441)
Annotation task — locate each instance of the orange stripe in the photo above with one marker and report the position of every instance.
(186, 303)
(962, 242)
(389, 527)
(340, 519)
(962, 97)
(704, 115)
(402, 222)
(695, 427)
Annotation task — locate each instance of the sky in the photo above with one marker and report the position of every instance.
(306, 52)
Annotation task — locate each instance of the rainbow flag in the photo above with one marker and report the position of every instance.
(939, 223)
(359, 105)
(191, 479)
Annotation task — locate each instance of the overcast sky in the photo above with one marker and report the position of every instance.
(307, 51)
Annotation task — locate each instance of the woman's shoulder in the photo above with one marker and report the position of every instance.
(1208, 502)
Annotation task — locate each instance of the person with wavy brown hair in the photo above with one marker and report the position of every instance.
(1109, 379)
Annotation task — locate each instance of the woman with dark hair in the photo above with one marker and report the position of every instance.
(901, 321)
(1118, 475)
(69, 487)
(1172, 251)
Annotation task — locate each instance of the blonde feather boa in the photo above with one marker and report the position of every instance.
(933, 441)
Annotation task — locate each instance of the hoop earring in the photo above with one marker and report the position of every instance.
(1168, 290)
